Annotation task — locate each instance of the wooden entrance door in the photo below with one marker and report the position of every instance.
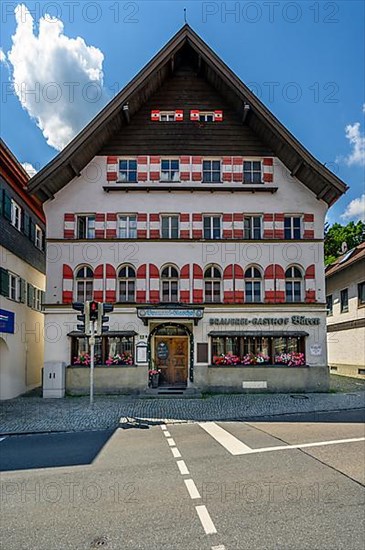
(172, 357)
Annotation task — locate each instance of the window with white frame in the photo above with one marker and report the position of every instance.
(293, 284)
(14, 287)
(212, 171)
(253, 285)
(16, 215)
(252, 171)
(127, 284)
(38, 295)
(127, 226)
(128, 170)
(169, 227)
(206, 116)
(212, 227)
(292, 227)
(170, 170)
(170, 284)
(84, 284)
(38, 237)
(86, 226)
(253, 227)
(167, 116)
(212, 285)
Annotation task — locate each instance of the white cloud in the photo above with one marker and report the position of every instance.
(57, 79)
(355, 210)
(357, 141)
(29, 168)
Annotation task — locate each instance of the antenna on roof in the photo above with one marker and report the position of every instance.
(185, 19)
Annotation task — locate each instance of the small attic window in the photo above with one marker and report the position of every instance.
(206, 116)
(167, 116)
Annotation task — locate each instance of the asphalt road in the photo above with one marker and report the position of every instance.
(297, 483)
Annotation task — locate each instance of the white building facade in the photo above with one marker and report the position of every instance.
(208, 242)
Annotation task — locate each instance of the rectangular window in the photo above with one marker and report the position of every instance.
(127, 227)
(292, 227)
(361, 294)
(212, 227)
(247, 350)
(206, 116)
(167, 116)
(252, 171)
(38, 294)
(120, 349)
(128, 170)
(170, 171)
(212, 171)
(38, 236)
(293, 291)
(16, 215)
(14, 287)
(170, 227)
(329, 304)
(81, 351)
(253, 227)
(344, 300)
(253, 291)
(86, 227)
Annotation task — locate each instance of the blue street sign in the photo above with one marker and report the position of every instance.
(7, 321)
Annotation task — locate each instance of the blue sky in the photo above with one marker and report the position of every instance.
(305, 60)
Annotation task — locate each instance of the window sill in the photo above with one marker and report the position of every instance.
(199, 187)
(260, 366)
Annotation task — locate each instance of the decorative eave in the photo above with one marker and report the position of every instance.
(86, 145)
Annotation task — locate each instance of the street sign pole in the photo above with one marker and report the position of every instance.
(92, 358)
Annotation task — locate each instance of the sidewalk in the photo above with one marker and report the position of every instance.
(30, 414)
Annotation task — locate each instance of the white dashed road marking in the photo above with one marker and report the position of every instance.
(227, 440)
(206, 520)
(182, 467)
(176, 453)
(163, 427)
(171, 442)
(167, 434)
(192, 489)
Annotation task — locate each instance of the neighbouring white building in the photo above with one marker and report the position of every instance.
(345, 289)
(22, 280)
(190, 207)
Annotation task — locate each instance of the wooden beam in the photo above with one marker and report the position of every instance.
(296, 169)
(172, 63)
(126, 113)
(74, 169)
(323, 192)
(246, 110)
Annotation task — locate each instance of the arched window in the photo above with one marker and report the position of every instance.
(84, 284)
(170, 284)
(293, 284)
(127, 284)
(253, 285)
(213, 284)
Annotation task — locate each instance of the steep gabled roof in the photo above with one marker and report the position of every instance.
(186, 43)
(347, 259)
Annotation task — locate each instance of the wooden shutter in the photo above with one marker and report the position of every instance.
(30, 300)
(32, 230)
(4, 282)
(6, 205)
(26, 224)
(22, 290)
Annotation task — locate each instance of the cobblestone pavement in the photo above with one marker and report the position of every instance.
(31, 413)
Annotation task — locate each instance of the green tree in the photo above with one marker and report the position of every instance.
(352, 234)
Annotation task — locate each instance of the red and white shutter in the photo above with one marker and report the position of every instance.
(237, 169)
(99, 283)
(310, 284)
(197, 168)
(110, 283)
(239, 283)
(141, 226)
(185, 168)
(111, 225)
(155, 163)
(267, 165)
(99, 226)
(268, 226)
(274, 279)
(194, 115)
(141, 284)
(218, 116)
(67, 284)
(228, 285)
(197, 226)
(308, 232)
(69, 226)
(155, 115)
(197, 284)
(112, 168)
(142, 168)
(185, 284)
(154, 278)
(227, 169)
(279, 226)
(154, 226)
(227, 226)
(179, 115)
(184, 226)
(238, 226)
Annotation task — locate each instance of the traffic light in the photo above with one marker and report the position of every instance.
(94, 310)
(84, 317)
(104, 308)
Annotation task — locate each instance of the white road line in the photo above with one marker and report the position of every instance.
(220, 547)
(163, 427)
(227, 440)
(175, 451)
(192, 489)
(306, 445)
(182, 467)
(171, 442)
(205, 519)
(167, 434)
